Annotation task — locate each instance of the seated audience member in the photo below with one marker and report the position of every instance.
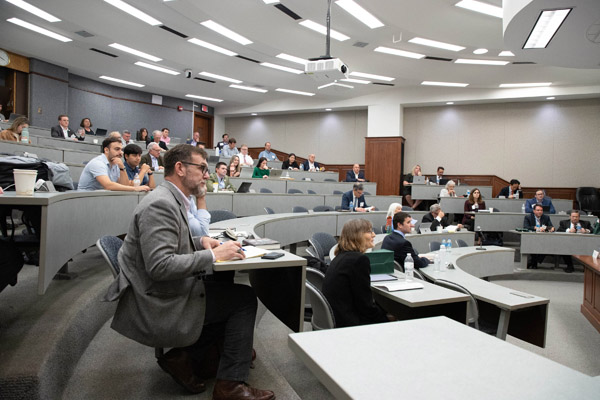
(126, 138)
(13, 133)
(407, 186)
(290, 163)
(223, 142)
(234, 169)
(63, 131)
(573, 225)
(153, 157)
(448, 190)
(347, 283)
(157, 138)
(311, 164)
(438, 178)
(245, 159)
(143, 136)
(86, 126)
(2, 117)
(540, 198)
(165, 136)
(539, 222)
(165, 302)
(512, 191)
(115, 134)
(107, 171)
(230, 149)
(198, 215)
(201, 145)
(437, 218)
(596, 227)
(473, 204)
(356, 175)
(219, 180)
(133, 156)
(354, 200)
(267, 153)
(261, 170)
(393, 209)
(194, 140)
(396, 241)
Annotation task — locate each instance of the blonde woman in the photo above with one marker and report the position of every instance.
(234, 169)
(408, 179)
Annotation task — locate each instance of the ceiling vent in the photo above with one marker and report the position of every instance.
(383, 84)
(288, 12)
(104, 52)
(84, 34)
(205, 80)
(523, 62)
(248, 59)
(438, 58)
(173, 31)
(360, 44)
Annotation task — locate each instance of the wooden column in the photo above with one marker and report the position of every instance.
(383, 163)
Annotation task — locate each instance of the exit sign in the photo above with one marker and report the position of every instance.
(204, 108)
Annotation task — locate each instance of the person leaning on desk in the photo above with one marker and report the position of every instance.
(347, 284)
(261, 170)
(354, 200)
(573, 225)
(540, 198)
(473, 204)
(513, 190)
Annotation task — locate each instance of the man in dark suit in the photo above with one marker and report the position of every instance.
(437, 218)
(512, 191)
(573, 225)
(63, 131)
(164, 298)
(439, 177)
(356, 175)
(396, 241)
(538, 222)
(311, 164)
(354, 200)
(153, 157)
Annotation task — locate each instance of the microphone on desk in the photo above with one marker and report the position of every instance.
(480, 236)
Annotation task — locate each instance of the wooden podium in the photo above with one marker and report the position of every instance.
(591, 290)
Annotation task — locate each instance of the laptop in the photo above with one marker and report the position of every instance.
(213, 159)
(418, 180)
(246, 172)
(244, 187)
(546, 208)
(275, 173)
(101, 132)
(443, 181)
(13, 116)
(425, 227)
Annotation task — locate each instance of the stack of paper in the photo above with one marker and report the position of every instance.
(399, 285)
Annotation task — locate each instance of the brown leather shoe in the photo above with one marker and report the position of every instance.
(178, 364)
(234, 390)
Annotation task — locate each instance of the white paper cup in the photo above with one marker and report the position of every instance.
(491, 209)
(95, 141)
(24, 181)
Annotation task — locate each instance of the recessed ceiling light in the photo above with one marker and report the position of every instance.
(282, 68)
(480, 62)
(134, 12)
(220, 77)
(248, 88)
(271, 1)
(545, 28)
(294, 59)
(212, 47)
(134, 52)
(480, 51)
(371, 76)
(34, 10)
(254, 114)
(434, 43)
(157, 68)
(294, 92)
(506, 53)
(328, 109)
(449, 84)
(480, 7)
(360, 13)
(307, 23)
(335, 84)
(108, 78)
(550, 98)
(521, 85)
(228, 33)
(193, 96)
(397, 52)
(39, 29)
(359, 81)
(449, 103)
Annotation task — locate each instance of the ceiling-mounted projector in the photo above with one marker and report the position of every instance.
(328, 69)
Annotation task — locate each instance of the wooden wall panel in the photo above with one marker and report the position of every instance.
(383, 161)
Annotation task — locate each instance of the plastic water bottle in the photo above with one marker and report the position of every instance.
(517, 195)
(217, 151)
(436, 263)
(523, 208)
(442, 254)
(25, 135)
(409, 268)
(136, 180)
(449, 246)
(443, 244)
(468, 192)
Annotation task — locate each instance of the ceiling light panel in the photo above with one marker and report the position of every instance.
(293, 59)
(193, 96)
(282, 68)
(39, 29)
(108, 78)
(359, 81)
(34, 10)
(212, 47)
(480, 62)
(157, 68)
(434, 43)
(448, 84)
(121, 5)
(545, 28)
(271, 1)
(294, 92)
(307, 23)
(360, 13)
(228, 33)
(249, 88)
(371, 76)
(506, 53)
(522, 85)
(135, 52)
(480, 51)
(397, 52)
(480, 7)
(220, 77)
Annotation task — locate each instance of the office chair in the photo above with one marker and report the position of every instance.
(472, 308)
(366, 193)
(588, 199)
(337, 208)
(310, 191)
(338, 192)
(315, 277)
(265, 190)
(322, 242)
(322, 316)
(434, 245)
(407, 208)
(322, 208)
(329, 180)
(292, 191)
(221, 215)
(461, 243)
(299, 209)
(269, 210)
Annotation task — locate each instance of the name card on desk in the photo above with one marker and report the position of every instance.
(595, 254)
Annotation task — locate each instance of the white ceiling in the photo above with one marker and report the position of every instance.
(273, 32)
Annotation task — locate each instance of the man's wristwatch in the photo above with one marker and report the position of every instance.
(122, 169)
(150, 173)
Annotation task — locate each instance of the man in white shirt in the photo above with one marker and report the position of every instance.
(245, 159)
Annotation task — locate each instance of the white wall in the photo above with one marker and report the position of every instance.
(546, 144)
(334, 137)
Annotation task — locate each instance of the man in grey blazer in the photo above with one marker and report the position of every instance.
(164, 300)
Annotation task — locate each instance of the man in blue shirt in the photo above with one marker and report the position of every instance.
(133, 156)
(107, 170)
(540, 198)
(230, 150)
(267, 153)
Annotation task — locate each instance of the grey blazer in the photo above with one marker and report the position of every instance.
(161, 295)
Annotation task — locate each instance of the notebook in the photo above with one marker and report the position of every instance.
(399, 285)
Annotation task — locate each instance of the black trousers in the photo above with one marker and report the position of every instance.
(230, 316)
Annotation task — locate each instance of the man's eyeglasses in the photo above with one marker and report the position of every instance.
(203, 167)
